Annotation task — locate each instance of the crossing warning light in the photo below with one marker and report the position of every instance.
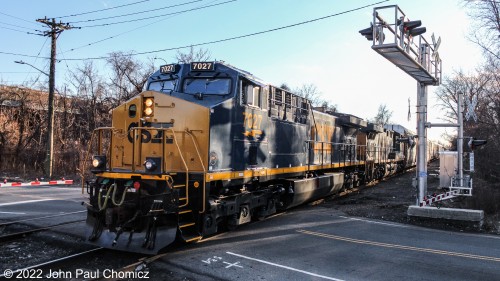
(411, 28)
(473, 143)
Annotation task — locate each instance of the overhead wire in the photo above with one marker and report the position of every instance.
(219, 40)
(240, 36)
(19, 18)
(34, 61)
(14, 25)
(21, 31)
(158, 16)
(128, 31)
(101, 10)
(136, 13)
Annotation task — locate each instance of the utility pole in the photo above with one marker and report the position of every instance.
(55, 30)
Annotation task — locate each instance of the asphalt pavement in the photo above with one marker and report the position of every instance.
(307, 243)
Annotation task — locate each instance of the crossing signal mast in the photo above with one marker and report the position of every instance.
(400, 40)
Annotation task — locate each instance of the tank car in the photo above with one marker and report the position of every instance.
(210, 146)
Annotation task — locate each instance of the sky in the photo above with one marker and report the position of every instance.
(329, 53)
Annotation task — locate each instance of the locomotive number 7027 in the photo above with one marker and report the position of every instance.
(202, 66)
(252, 121)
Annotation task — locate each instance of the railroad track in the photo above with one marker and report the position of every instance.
(23, 233)
(15, 235)
(39, 218)
(36, 270)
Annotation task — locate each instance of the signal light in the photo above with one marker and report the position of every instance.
(368, 33)
(473, 143)
(411, 28)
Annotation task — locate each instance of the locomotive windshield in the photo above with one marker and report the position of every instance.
(162, 85)
(207, 86)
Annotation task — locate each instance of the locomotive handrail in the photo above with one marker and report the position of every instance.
(189, 133)
(185, 165)
(99, 150)
(135, 129)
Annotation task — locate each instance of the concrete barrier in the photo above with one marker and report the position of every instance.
(447, 213)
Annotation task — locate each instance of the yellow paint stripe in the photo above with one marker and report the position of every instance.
(193, 239)
(276, 171)
(186, 225)
(185, 212)
(401, 247)
(116, 175)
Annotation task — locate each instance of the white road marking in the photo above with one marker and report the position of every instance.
(285, 267)
(376, 222)
(13, 213)
(28, 201)
(232, 264)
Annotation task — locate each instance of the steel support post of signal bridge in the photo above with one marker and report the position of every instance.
(422, 142)
(460, 140)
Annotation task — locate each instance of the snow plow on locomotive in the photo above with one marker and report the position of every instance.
(209, 146)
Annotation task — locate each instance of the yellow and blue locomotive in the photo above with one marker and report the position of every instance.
(209, 146)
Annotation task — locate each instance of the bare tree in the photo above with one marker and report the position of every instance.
(311, 92)
(193, 55)
(128, 76)
(484, 85)
(486, 31)
(472, 85)
(383, 115)
(22, 127)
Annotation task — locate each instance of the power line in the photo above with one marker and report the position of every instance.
(136, 13)
(21, 31)
(22, 55)
(215, 41)
(12, 29)
(101, 10)
(123, 33)
(34, 61)
(242, 36)
(18, 18)
(29, 28)
(158, 16)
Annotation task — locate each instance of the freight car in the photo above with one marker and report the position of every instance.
(208, 146)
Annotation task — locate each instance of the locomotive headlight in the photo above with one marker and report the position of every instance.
(150, 165)
(153, 165)
(98, 163)
(148, 111)
(149, 107)
(149, 102)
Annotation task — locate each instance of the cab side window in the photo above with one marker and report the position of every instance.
(251, 94)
